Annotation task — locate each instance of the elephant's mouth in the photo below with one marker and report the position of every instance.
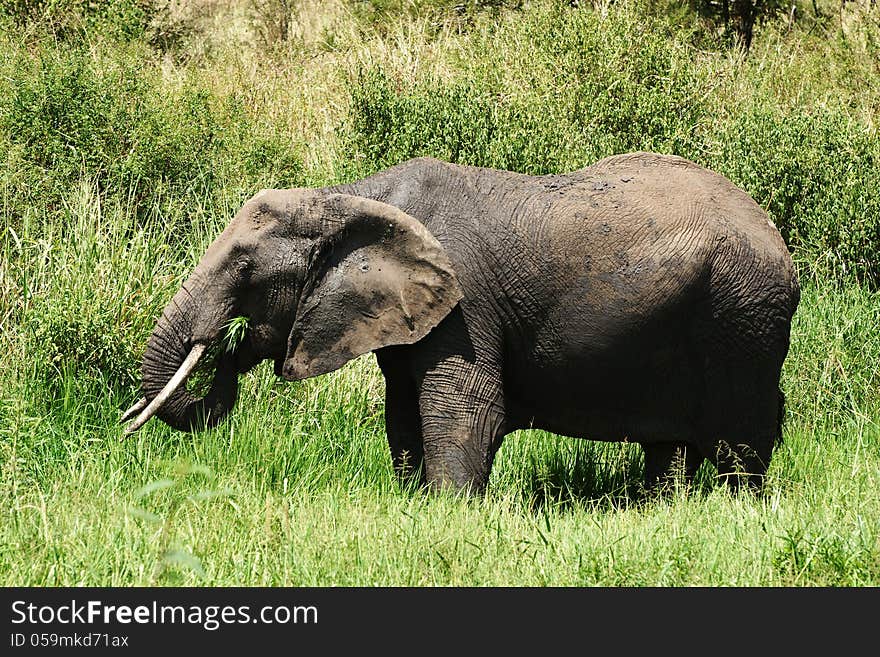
(219, 357)
(193, 384)
(214, 361)
(259, 345)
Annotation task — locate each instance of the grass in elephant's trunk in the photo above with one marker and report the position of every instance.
(233, 334)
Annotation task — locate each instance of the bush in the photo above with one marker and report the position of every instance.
(455, 122)
(816, 175)
(84, 343)
(65, 115)
(74, 19)
(556, 90)
(68, 114)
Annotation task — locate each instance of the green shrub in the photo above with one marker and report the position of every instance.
(74, 19)
(175, 143)
(553, 91)
(816, 175)
(454, 122)
(83, 343)
(68, 114)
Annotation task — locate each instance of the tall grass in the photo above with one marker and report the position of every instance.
(124, 158)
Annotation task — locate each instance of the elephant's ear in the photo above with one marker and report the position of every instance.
(380, 279)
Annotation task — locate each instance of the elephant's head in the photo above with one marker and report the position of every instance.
(322, 278)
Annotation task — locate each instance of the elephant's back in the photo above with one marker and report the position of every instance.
(642, 236)
(694, 236)
(672, 189)
(740, 239)
(672, 215)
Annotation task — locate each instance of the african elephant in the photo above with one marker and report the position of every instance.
(643, 298)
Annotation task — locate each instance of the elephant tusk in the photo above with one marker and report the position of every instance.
(136, 408)
(173, 384)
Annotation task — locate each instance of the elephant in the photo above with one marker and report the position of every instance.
(643, 298)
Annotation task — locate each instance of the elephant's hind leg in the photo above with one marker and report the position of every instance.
(664, 462)
(741, 420)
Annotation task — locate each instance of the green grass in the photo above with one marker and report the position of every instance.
(98, 230)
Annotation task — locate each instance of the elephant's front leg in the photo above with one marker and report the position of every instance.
(462, 409)
(403, 422)
(403, 425)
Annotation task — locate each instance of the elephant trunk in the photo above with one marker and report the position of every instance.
(170, 357)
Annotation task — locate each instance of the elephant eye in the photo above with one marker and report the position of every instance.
(242, 267)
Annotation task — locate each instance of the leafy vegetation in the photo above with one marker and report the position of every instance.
(131, 133)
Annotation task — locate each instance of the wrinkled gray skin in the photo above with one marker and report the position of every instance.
(642, 298)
